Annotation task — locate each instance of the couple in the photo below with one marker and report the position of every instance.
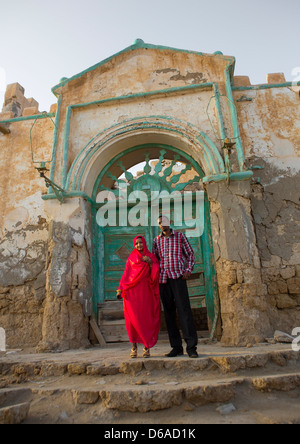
(146, 278)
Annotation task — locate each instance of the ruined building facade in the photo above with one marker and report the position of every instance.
(59, 269)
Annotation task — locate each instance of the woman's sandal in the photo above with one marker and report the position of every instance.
(133, 353)
(146, 352)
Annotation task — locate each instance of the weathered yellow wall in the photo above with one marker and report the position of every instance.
(23, 233)
(270, 130)
(20, 184)
(270, 126)
(144, 70)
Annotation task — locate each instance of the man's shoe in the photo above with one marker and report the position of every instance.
(173, 353)
(193, 354)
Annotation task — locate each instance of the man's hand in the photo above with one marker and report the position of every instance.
(186, 275)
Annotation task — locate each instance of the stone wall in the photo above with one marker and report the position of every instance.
(276, 213)
(45, 249)
(68, 303)
(22, 283)
(43, 278)
(269, 123)
(16, 104)
(242, 293)
(23, 225)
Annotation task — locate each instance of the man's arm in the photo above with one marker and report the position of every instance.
(155, 249)
(189, 254)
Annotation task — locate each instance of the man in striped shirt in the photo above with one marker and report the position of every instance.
(177, 260)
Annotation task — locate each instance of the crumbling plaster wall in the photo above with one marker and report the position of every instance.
(45, 259)
(270, 130)
(23, 235)
(69, 277)
(243, 305)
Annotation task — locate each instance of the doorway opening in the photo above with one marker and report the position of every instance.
(163, 169)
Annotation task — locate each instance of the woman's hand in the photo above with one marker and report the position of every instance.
(119, 294)
(147, 259)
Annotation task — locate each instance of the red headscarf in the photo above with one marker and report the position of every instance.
(136, 269)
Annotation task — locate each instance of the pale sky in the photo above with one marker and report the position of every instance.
(43, 41)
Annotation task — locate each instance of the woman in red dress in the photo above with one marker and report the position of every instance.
(139, 289)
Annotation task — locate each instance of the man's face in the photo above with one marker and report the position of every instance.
(164, 224)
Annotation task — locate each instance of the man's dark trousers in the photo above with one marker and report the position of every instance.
(174, 295)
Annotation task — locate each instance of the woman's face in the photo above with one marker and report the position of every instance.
(139, 244)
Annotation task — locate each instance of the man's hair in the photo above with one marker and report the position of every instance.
(161, 216)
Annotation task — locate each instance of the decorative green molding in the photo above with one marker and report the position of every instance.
(69, 194)
(138, 44)
(174, 89)
(34, 117)
(117, 158)
(242, 175)
(245, 99)
(234, 119)
(210, 154)
(265, 86)
(54, 143)
(219, 111)
(153, 181)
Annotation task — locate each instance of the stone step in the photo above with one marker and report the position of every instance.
(154, 396)
(14, 414)
(108, 378)
(159, 397)
(14, 405)
(225, 363)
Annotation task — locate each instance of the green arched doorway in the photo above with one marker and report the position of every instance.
(113, 244)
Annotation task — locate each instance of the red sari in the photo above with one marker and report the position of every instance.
(140, 292)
